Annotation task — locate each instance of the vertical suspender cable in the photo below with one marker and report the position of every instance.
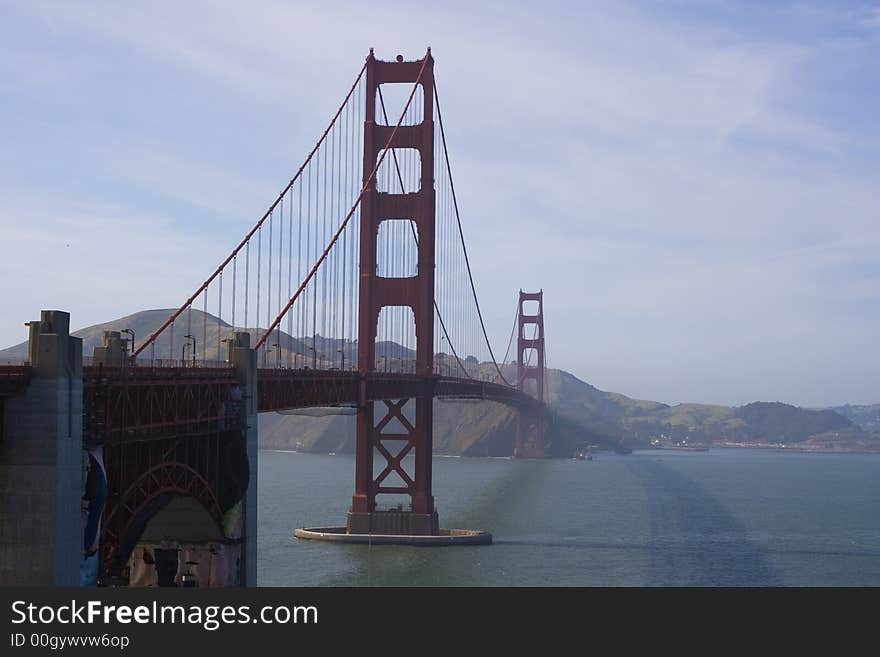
(247, 286)
(323, 241)
(153, 336)
(269, 284)
(259, 277)
(205, 325)
(344, 244)
(219, 309)
(461, 233)
(318, 263)
(315, 282)
(300, 327)
(189, 326)
(334, 169)
(290, 279)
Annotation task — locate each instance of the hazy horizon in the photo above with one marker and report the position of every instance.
(693, 185)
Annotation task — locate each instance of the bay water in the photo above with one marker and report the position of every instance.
(725, 517)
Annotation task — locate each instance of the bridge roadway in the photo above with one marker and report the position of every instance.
(287, 389)
(145, 401)
(142, 401)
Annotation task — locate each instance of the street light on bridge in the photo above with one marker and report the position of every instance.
(130, 332)
(183, 350)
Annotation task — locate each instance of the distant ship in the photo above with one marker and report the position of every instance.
(583, 455)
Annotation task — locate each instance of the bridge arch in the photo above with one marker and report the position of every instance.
(145, 497)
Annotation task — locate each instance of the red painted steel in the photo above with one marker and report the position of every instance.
(163, 431)
(530, 421)
(172, 430)
(416, 292)
(146, 403)
(156, 424)
(139, 482)
(280, 390)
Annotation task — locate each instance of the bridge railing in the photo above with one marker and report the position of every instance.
(174, 362)
(155, 363)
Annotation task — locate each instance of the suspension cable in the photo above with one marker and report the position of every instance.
(461, 235)
(510, 340)
(351, 212)
(416, 240)
(259, 224)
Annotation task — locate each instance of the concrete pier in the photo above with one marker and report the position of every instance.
(393, 522)
(443, 537)
(244, 359)
(41, 462)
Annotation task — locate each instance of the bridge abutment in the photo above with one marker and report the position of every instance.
(244, 360)
(41, 539)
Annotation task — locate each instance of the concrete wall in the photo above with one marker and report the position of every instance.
(240, 354)
(41, 463)
(41, 468)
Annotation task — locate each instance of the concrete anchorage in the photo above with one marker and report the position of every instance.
(41, 538)
(244, 360)
(204, 553)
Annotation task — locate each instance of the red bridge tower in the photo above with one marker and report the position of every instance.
(530, 421)
(415, 292)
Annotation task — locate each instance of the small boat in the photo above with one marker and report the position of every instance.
(583, 455)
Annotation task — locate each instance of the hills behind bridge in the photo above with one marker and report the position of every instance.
(580, 414)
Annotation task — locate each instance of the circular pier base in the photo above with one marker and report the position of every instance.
(445, 537)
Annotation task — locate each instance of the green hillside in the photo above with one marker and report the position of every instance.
(209, 331)
(867, 417)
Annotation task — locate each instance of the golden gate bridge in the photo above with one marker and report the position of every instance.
(353, 289)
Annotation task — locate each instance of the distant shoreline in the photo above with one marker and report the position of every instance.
(599, 450)
(795, 448)
(767, 446)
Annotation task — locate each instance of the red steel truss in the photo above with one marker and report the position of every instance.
(163, 429)
(144, 403)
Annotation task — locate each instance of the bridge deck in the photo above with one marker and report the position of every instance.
(148, 403)
(287, 389)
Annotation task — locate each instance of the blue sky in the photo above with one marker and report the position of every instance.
(695, 185)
